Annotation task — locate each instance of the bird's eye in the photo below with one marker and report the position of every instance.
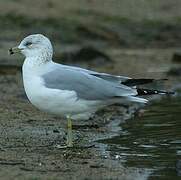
(28, 43)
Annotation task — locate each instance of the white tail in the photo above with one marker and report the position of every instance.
(137, 99)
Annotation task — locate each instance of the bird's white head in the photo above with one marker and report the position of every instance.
(36, 45)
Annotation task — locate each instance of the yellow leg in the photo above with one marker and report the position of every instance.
(69, 132)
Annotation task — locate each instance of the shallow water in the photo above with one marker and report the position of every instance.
(152, 141)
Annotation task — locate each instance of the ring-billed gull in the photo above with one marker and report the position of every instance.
(70, 91)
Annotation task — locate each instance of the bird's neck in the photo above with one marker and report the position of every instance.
(35, 61)
(35, 64)
(37, 58)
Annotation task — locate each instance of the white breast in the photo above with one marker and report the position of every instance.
(54, 101)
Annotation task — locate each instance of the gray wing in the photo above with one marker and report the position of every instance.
(105, 76)
(86, 86)
(116, 79)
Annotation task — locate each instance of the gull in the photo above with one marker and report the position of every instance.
(68, 91)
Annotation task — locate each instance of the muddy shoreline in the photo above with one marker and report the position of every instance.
(31, 140)
(106, 36)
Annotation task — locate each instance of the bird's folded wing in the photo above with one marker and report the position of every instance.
(85, 85)
(115, 78)
(105, 76)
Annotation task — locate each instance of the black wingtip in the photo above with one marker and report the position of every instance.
(142, 92)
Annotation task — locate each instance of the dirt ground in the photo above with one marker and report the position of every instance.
(139, 38)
